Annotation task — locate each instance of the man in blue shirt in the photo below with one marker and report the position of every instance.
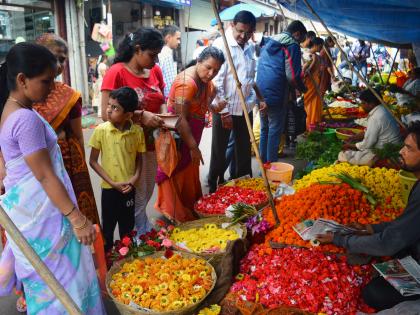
(279, 69)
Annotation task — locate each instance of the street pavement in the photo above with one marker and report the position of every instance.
(8, 304)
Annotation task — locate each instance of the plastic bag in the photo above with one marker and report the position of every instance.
(166, 153)
(296, 118)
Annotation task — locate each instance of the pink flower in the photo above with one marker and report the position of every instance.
(167, 243)
(123, 251)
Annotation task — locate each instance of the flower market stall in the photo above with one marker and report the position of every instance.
(249, 253)
(280, 269)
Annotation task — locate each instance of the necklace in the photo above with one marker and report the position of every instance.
(19, 103)
(136, 72)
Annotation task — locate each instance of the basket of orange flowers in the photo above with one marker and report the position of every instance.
(158, 285)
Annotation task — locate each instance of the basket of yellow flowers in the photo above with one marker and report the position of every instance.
(156, 285)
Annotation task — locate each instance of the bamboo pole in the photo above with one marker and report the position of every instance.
(377, 65)
(392, 66)
(244, 109)
(38, 264)
(351, 65)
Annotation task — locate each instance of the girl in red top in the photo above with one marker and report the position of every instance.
(135, 67)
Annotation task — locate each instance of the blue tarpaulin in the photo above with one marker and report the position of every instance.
(229, 13)
(390, 21)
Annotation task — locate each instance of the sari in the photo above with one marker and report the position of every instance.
(312, 100)
(51, 235)
(56, 111)
(178, 193)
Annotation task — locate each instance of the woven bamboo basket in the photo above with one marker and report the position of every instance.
(212, 258)
(128, 310)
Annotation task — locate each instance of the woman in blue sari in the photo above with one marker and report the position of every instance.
(39, 196)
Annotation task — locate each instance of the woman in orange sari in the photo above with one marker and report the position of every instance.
(312, 99)
(190, 96)
(63, 111)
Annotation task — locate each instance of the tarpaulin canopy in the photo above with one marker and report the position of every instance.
(229, 13)
(390, 21)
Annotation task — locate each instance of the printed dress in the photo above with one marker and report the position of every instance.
(48, 232)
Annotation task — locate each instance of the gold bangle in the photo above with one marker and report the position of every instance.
(70, 212)
(82, 226)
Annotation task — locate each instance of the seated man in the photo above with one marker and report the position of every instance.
(381, 129)
(398, 238)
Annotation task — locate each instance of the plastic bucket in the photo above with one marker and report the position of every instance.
(407, 181)
(280, 172)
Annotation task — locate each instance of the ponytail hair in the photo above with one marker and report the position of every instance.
(30, 59)
(145, 38)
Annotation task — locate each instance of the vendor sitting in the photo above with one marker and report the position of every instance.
(382, 128)
(399, 238)
(410, 92)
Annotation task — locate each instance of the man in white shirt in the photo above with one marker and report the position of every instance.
(382, 128)
(172, 38)
(232, 119)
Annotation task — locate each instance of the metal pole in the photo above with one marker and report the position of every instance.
(38, 264)
(351, 66)
(392, 66)
(244, 109)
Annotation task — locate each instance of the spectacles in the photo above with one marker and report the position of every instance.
(114, 108)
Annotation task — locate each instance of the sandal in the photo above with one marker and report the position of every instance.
(21, 304)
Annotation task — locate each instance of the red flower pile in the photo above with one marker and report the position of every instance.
(217, 202)
(302, 278)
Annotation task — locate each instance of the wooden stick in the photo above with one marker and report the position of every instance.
(38, 264)
(376, 62)
(392, 66)
(361, 78)
(244, 109)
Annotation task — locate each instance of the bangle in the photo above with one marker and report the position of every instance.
(82, 226)
(71, 211)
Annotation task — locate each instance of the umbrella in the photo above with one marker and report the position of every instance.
(229, 13)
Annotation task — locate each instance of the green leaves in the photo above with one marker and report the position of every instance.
(356, 184)
(242, 211)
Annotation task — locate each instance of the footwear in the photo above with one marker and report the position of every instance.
(21, 305)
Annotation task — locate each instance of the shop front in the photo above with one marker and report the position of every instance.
(24, 20)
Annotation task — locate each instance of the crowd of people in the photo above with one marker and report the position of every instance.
(47, 190)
